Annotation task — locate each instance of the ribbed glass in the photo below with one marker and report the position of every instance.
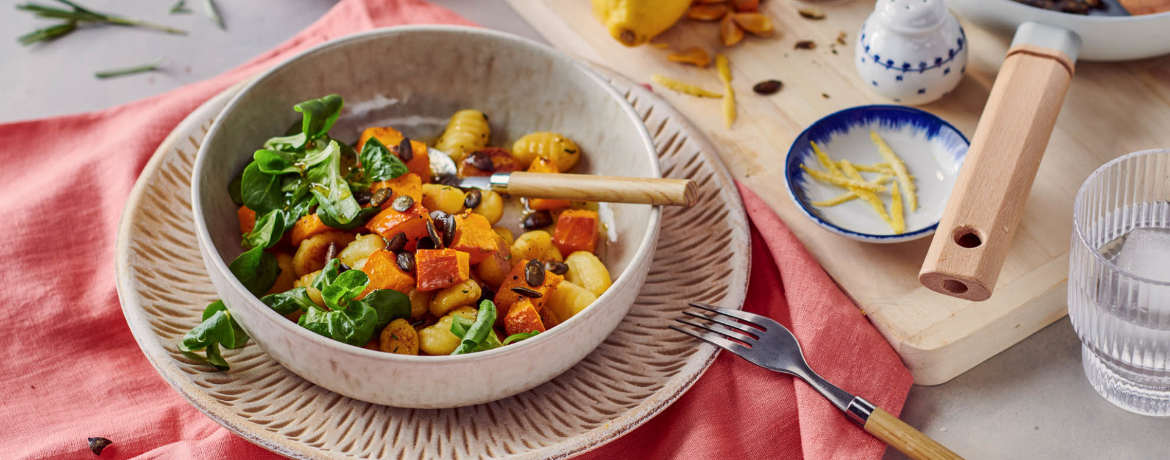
(1123, 317)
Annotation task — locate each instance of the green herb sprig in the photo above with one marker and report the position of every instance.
(213, 13)
(180, 8)
(77, 14)
(129, 70)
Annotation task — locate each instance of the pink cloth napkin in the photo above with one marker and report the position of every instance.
(72, 369)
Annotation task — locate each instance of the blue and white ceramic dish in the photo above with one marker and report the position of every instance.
(911, 51)
(932, 149)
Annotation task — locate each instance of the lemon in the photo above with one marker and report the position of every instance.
(634, 22)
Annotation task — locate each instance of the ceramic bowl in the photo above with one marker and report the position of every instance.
(414, 78)
(932, 150)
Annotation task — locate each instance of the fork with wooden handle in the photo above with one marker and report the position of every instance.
(772, 346)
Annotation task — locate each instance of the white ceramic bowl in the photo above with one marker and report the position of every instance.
(415, 77)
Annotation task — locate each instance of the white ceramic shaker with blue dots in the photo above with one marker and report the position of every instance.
(911, 51)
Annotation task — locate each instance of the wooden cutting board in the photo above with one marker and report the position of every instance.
(1111, 109)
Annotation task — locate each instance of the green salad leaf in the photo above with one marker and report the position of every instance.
(346, 287)
(261, 191)
(479, 331)
(268, 230)
(275, 161)
(520, 336)
(289, 301)
(292, 142)
(319, 115)
(234, 188)
(256, 269)
(379, 163)
(218, 328)
(389, 304)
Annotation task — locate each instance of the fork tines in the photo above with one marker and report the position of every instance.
(723, 329)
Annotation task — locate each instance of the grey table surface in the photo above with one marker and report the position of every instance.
(1031, 401)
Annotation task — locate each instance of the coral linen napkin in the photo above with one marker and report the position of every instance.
(73, 370)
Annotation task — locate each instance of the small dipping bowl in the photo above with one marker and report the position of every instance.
(932, 150)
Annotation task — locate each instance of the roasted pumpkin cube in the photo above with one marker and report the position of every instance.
(307, 226)
(474, 235)
(544, 165)
(409, 184)
(382, 269)
(419, 163)
(501, 159)
(439, 268)
(523, 318)
(506, 297)
(494, 269)
(576, 230)
(247, 219)
(413, 223)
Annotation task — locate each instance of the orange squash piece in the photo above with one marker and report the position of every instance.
(544, 165)
(409, 184)
(382, 269)
(506, 298)
(307, 226)
(413, 223)
(502, 161)
(474, 235)
(419, 164)
(439, 268)
(247, 219)
(576, 230)
(523, 317)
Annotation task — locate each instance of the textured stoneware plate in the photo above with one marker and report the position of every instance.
(703, 255)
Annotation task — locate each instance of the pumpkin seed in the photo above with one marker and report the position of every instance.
(330, 252)
(527, 292)
(433, 233)
(425, 243)
(768, 87)
(381, 196)
(538, 219)
(448, 179)
(534, 273)
(480, 160)
(557, 268)
(805, 45)
(405, 151)
(403, 203)
(98, 444)
(444, 223)
(405, 261)
(474, 197)
(397, 243)
(342, 268)
(363, 196)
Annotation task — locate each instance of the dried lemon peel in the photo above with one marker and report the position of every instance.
(868, 196)
(850, 195)
(685, 88)
(843, 182)
(898, 222)
(825, 161)
(693, 55)
(724, 68)
(883, 168)
(899, 169)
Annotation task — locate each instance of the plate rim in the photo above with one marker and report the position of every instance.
(648, 408)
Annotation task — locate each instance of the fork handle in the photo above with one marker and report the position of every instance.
(897, 434)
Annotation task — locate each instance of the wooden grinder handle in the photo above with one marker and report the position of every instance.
(984, 208)
(585, 187)
(897, 434)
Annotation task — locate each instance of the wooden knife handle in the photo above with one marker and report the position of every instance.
(984, 208)
(586, 187)
(897, 434)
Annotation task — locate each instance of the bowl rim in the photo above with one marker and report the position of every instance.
(853, 234)
(644, 250)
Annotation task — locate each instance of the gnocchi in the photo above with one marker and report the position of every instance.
(451, 297)
(442, 198)
(310, 256)
(491, 206)
(569, 299)
(467, 131)
(554, 147)
(361, 248)
(420, 302)
(587, 271)
(536, 244)
(399, 337)
(437, 339)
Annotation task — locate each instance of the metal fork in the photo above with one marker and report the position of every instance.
(770, 345)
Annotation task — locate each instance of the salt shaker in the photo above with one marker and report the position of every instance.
(911, 51)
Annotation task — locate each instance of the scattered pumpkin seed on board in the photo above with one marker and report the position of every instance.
(685, 88)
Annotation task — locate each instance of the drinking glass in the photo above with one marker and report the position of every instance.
(1119, 280)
